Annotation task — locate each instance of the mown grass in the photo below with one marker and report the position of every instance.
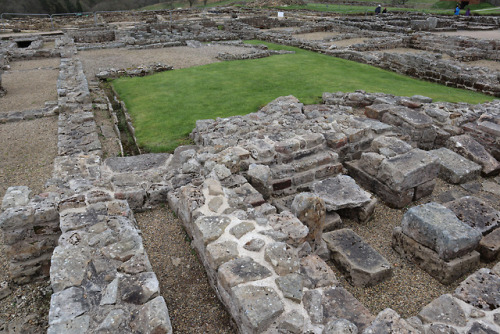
(165, 106)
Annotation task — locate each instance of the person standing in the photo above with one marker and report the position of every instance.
(467, 12)
(457, 10)
(377, 10)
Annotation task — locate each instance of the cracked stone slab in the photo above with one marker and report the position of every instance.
(341, 192)
(241, 270)
(363, 264)
(476, 213)
(437, 227)
(468, 147)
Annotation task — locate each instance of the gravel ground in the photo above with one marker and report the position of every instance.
(178, 57)
(192, 303)
(481, 34)
(317, 36)
(30, 84)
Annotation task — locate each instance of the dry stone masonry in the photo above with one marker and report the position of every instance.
(263, 196)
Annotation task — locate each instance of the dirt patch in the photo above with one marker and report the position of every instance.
(178, 57)
(348, 42)
(30, 84)
(317, 36)
(492, 65)
(481, 34)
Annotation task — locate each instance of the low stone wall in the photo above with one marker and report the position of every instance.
(16, 116)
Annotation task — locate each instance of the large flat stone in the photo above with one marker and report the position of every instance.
(363, 264)
(454, 167)
(388, 321)
(408, 170)
(428, 260)
(258, 307)
(210, 228)
(444, 309)
(241, 270)
(476, 213)
(481, 290)
(136, 163)
(437, 228)
(468, 147)
(341, 192)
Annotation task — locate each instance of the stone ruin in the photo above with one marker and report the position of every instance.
(263, 195)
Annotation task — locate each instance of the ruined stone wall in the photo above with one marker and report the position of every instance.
(92, 35)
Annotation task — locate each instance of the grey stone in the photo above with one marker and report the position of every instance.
(475, 213)
(408, 170)
(110, 293)
(454, 168)
(215, 203)
(292, 286)
(112, 322)
(153, 317)
(438, 228)
(441, 329)
(136, 264)
(371, 162)
(286, 223)
(241, 270)
(316, 272)
(293, 323)
(137, 162)
(219, 253)
(310, 210)
(68, 267)
(16, 196)
(341, 192)
(481, 290)
(4, 289)
(480, 328)
(67, 304)
(363, 265)
(241, 229)
(491, 187)
(79, 325)
(312, 302)
(332, 221)
(282, 257)
(338, 303)
(258, 307)
(444, 309)
(489, 246)
(254, 245)
(210, 228)
(140, 288)
(471, 149)
(260, 178)
(428, 260)
(390, 146)
(388, 321)
(340, 326)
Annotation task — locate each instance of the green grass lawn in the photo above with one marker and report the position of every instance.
(165, 106)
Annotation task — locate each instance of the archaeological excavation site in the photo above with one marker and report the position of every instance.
(365, 212)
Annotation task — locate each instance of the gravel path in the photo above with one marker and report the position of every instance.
(178, 57)
(192, 304)
(30, 84)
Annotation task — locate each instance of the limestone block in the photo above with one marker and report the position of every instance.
(258, 307)
(408, 170)
(140, 288)
(241, 270)
(67, 304)
(390, 146)
(219, 253)
(242, 228)
(437, 227)
(259, 177)
(312, 302)
(209, 228)
(68, 267)
(291, 286)
(489, 246)
(476, 213)
(254, 245)
(293, 322)
(316, 272)
(471, 149)
(454, 168)
(340, 326)
(481, 290)
(16, 196)
(153, 317)
(428, 260)
(338, 303)
(444, 309)
(371, 162)
(341, 192)
(363, 265)
(282, 257)
(388, 321)
(290, 226)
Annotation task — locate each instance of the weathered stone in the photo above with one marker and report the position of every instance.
(110, 293)
(475, 213)
(310, 210)
(388, 321)
(16, 196)
(341, 192)
(69, 267)
(112, 322)
(438, 228)
(480, 328)
(290, 226)
(260, 178)
(371, 162)
(258, 307)
(4, 289)
(219, 253)
(254, 245)
(428, 260)
(390, 146)
(67, 304)
(140, 288)
(408, 170)
(153, 318)
(338, 303)
(340, 326)
(137, 162)
(241, 229)
(282, 257)
(444, 309)
(316, 272)
(454, 167)
(293, 323)
(440, 329)
(137, 264)
(489, 246)
(471, 149)
(363, 265)
(332, 221)
(292, 286)
(481, 290)
(313, 305)
(241, 270)
(79, 325)
(210, 228)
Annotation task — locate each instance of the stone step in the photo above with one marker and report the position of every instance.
(468, 147)
(363, 265)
